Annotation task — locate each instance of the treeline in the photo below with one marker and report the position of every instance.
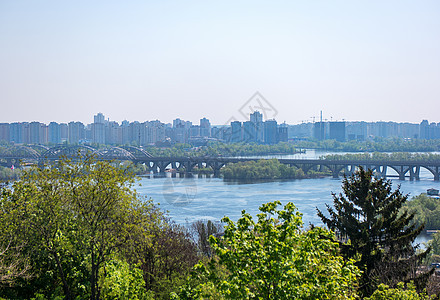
(397, 156)
(265, 169)
(222, 149)
(377, 144)
(248, 149)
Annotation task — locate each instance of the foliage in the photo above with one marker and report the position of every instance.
(384, 292)
(272, 259)
(371, 226)
(434, 244)
(222, 149)
(122, 281)
(262, 169)
(166, 259)
(426, 210)
(71, 218)
(7, 174)
(246, 149)
(13, 264)
(202, 230)
(137, 169)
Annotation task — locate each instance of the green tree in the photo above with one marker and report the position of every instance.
(369, 223)
(426, 209)
(272, 258)
(104, 205)
(434, 244)
(166, 259)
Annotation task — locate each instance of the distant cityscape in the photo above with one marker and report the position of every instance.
(256, 130)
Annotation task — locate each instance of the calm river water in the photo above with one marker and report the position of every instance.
(191, 199)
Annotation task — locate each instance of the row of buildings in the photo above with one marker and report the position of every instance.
(361, 131)
(104, 131)
(256, 130)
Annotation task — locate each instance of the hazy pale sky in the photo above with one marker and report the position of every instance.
(145, 60)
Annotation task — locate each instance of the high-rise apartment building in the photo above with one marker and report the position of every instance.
(76, 132)
(319, 131)
(4, 132)
(205, 128)
(256, 119)
(54, 133)
(98, 129)
(270, 132)
(236, 132)
(337, 131)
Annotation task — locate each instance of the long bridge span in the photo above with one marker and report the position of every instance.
(19, 155)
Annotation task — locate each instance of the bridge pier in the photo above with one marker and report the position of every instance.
(436, 172)
(216, 166)
(349, 170)
(161, 165)
(335, 169)
(414, 173)
(188, 166)
(382, 170)
(401, 171)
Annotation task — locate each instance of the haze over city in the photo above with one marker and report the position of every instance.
(145, 60)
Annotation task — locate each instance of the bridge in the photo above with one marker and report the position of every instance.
(39, 154)
(403, 169)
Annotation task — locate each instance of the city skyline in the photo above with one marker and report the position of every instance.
(257, 129)
(311, 120)
(372, 61)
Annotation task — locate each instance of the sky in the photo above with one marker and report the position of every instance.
(144, 60)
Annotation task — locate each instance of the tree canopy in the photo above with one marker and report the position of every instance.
(426, 209)
(368, 220)
(272, 258)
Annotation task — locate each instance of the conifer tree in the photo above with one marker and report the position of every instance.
(372, 228)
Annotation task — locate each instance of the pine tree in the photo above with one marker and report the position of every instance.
(373, 229)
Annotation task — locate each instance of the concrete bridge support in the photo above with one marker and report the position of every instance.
(401, 171)
(349, 170)
(188, 166)
(335, 169)
(381, 170)
(161, 165)
(216, 166)
(414, 173)
(436, 173)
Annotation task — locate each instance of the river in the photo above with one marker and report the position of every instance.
(191, 199)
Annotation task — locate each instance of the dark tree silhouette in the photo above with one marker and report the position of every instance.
(373, 229)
